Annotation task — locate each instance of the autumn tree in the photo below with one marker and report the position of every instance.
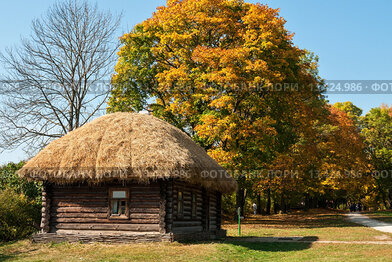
(377, 132)
(326, 165)
(225, 72)
(346, 166)
(351, 110)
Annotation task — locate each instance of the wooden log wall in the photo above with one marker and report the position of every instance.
(205, 210)
(169, 205)
(46, 205)
(187, 223)
(206, 201)
(81, 207)
(218, 211)
(162, 208)
(212, 196)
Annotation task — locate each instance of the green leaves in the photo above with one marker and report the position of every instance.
(19, 216)
(9, 179)
(20, 204)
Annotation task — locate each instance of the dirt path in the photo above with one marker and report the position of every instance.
(373, 223)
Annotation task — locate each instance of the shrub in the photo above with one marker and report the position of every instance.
(20, 204)
(19, 216)
(9, 179)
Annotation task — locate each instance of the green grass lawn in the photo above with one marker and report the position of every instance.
(221, 251)
(323, 224)
(385, 216)
(320, 224)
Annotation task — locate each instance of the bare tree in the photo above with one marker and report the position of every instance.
(55, 80)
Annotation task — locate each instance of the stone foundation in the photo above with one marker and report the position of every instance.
(127, 238)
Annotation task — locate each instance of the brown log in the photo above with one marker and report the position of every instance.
(144, 205)
(150, 210)
(144, 216)
(145, 199)
(186, 223)
(80, 204)
(81, 196)
(143, 195)
(80, 215)
(56, 200)
(106, 220)
(117, 227)
(81, 190)
(79, 209)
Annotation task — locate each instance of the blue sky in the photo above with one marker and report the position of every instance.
(352, 37)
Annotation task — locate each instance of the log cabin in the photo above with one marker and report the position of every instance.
(128, 177)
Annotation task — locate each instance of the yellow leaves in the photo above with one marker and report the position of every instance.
(344, 165)
(223, 102)
(173, 75)
(219, 57)
(173, 2)
(212, 127)
(257, 66)
(229, 40)
(224, 158)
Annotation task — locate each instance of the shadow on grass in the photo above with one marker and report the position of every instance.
(383, 219)
(3, 244)
(4, 257)
(320, 222)
(276, 244)
(273, 247)
(384, 216)
(14, 253)
(271, 244)
(313, 219)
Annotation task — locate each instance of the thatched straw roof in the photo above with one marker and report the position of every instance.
(127, 146)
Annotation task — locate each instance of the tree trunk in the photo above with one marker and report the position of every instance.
(390, 198)
(258, 201)
(283, 203)
(240, 200)
(276, 207)
(307, 202)
(268, 207)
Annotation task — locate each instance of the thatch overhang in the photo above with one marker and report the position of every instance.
(125, 147)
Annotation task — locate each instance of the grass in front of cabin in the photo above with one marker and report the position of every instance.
(384, 216)
(322, 224)
(171, 252)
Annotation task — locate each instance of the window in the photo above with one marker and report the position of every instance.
(119, 203)
(194, 205)
(180, 204)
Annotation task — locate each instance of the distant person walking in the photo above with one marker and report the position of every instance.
(254, 206)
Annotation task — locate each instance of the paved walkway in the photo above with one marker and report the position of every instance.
(373, 223)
